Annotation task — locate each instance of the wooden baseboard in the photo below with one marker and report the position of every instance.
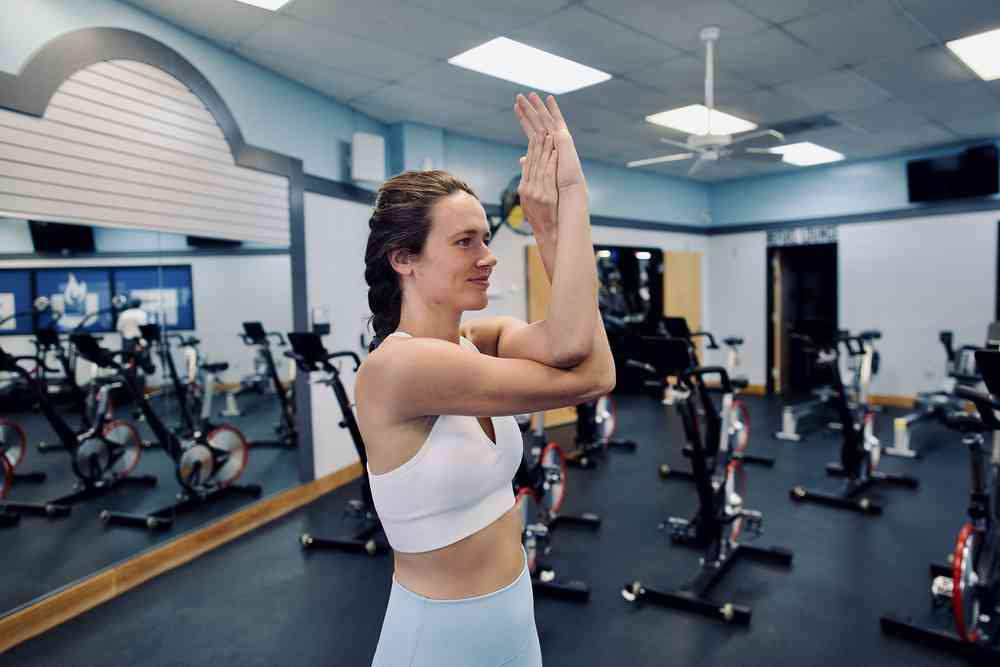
(75, 599)
(890, 401)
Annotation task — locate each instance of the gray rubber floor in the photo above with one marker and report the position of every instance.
(263, 601)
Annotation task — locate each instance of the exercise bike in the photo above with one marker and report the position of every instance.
(721, 517)
(960, 369)
(860, 450)
(739, 414)
(102, 456)
(540, 489)
(311, 356)
(970, 586)
(595, 428)
(206, 465)
(255, 336)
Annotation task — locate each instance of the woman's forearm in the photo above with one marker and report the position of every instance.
(547, 251)
(572, 313)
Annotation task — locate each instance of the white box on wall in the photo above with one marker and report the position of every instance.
(367, 157)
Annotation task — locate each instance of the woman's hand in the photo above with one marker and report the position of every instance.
(538, 116)
(537, 189)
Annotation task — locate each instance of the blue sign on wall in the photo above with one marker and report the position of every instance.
(15, 297)
(165, 292)
(77, 294)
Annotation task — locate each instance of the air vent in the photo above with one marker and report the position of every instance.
(809, 124)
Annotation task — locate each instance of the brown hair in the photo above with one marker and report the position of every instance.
(401, 221)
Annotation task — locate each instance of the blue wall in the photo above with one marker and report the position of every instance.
(850, 188)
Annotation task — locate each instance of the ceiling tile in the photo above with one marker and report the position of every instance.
(497, 126)
(952, 100)
(584, 118)
(227, 23)
(398, 103)
(975, 125)
(839, 91)
(336, 83)
(781, 11)
(763, 106)
(859, 34)
(770, 57)
(491, 15)
(401, 25)
(926, 137)
(893, 115)
(683, 79)
(294, 38)
(913, 73)
(678, 22)
(446, 79)
(592, 40)
(621, 95)
(951, 19)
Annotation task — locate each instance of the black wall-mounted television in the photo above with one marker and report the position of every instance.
(972, 173)
(207, 242)
(56, 237)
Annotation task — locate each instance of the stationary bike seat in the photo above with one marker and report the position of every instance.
(732, 341)
(216, 368)
(964, 422)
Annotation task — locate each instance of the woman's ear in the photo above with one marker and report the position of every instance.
(401, 261)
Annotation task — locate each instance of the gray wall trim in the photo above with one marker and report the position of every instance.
(300, 314)
(324, 186)
(965, 206)
(30, 92)
(185, 254)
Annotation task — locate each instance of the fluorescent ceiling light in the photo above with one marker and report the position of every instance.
(273, 5)
(979, 52)
(643, 254)
(806, 153)
(604, 253)
(512, 61)
(694, 120)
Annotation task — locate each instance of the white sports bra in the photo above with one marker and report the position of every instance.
(458, 483)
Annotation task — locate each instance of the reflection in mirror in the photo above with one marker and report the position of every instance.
(144, 392)
(631, 284)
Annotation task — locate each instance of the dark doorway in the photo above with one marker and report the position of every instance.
(802, 287)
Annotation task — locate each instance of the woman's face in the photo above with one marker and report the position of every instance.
(456, 263)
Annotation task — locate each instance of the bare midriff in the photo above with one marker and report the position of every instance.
(481, 563)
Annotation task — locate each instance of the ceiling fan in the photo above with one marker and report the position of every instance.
(709, 147)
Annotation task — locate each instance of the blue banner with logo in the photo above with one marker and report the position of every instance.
(165, 293)
(78, 296)
(15, 297)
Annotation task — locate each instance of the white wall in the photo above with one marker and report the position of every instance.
(227, 292)
(911, 279)
(336, 234)
(737, 300)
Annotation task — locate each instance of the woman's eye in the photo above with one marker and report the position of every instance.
(464, 241)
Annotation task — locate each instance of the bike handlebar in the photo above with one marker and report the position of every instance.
(712, 345)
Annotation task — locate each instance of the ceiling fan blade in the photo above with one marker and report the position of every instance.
(756, 155)
(663, 158)
(698, 165)
(760, 138)
(679, 144)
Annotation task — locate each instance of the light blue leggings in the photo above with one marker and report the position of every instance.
(492, 630)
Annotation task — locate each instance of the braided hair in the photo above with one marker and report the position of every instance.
(401, 221)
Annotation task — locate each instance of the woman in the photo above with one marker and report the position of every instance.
(435, 399)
